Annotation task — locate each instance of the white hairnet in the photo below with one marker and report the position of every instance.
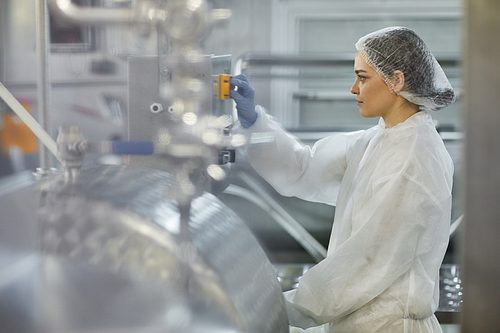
(400, 48)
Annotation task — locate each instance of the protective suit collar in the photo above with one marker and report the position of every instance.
(419, 118)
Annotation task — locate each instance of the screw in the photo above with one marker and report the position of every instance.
(156, 107)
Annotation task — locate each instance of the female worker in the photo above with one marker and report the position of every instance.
(391, 185)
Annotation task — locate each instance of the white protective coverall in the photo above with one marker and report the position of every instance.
(392, 192)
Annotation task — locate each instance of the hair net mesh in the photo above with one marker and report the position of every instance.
(399, 48)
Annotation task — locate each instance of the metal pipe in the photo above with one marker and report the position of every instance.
(281, 216)
(86, 15)
(3, 28)
(67, 10)
(26, 117)
(248, 60)
(43, 80)
(68, 83)
(454, 226)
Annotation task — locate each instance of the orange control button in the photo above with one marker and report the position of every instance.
(224, 87)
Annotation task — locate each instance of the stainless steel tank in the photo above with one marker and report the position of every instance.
(104, 254)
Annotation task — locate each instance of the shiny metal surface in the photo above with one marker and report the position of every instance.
(104, 254)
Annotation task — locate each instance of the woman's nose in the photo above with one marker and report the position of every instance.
(354, 88)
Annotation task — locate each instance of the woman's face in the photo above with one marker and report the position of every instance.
(374, 97)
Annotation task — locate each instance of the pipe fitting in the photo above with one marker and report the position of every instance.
(71, 147)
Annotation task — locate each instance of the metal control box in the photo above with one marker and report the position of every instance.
(148, 109)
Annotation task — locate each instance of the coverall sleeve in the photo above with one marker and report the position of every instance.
(389, 232)
(294, 169)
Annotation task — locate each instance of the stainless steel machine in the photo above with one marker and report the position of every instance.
(104, 253)
(139, 247)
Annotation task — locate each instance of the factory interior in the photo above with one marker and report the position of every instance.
(127, 201)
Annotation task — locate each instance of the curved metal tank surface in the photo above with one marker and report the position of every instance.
(104, 254)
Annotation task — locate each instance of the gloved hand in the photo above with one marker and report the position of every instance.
(244, 98)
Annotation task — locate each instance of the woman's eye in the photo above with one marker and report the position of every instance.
(361, 78)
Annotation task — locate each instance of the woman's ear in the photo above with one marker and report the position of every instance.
(398, 81)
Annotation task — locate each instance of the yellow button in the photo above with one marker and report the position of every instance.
(224, 86)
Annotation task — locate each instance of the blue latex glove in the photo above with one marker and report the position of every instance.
(244, 98)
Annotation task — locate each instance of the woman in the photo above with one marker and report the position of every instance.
(391, 185)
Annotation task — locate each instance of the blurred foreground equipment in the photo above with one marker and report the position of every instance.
(104, 254)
